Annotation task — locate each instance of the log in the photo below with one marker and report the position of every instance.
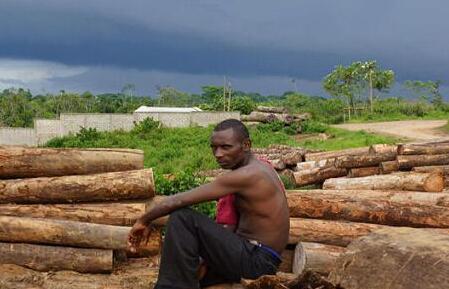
(71, 233)
(288, 175)
(423, 149)
(404, 181)
(56, 258)
(338, 233)
(335, 154)
(314, 164)
(119, 214)
(407, 162)
(138, 184)
(389, 167)
(269, 117)
(359, 161)
(409, 258)
(317, 175)
(315, 257)
(22, 162)
(271, 109)
(292, 158)
(363, 172)
(332, 232)
(430, 169)
(413, 209)
(383, 149)
(134, 274)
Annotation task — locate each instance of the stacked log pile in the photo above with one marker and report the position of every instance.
(363, 191)
(71, 210)
(267, 114)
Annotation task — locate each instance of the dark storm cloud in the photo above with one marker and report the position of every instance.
(301, 39)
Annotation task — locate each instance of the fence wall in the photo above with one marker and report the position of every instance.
(17, 136)
(46, 129)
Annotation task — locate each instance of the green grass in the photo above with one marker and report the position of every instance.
(343, 139)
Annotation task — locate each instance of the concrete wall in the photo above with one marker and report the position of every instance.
(46, 129)
(17, 136)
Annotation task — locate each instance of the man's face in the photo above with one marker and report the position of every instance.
(228, 148)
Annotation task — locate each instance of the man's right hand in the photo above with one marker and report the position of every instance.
(139, 234)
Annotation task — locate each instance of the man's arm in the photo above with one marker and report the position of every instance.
(232, 182)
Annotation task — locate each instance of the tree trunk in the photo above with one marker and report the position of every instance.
(71, 233)
(383, 149)
(412, 209)
(330, 232)
(389, 167)
(292, 158)
(56, 258)
(134, 274)
(119, 214)
(423, 149)
(338, 233)
(317, 175)
(315, 257)
(363, 172)
(335, 154)
(22, 162)
(400, 259)
(408, 162)
(324, 163)
(138, 184)
(359, 161)
(269, 117)
(435, 169)
(406, 181)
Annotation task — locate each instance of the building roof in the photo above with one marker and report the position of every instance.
(144, 108)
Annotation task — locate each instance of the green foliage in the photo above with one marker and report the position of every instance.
(145, 127)
(244, 104)
(184, 181)
(312, 126)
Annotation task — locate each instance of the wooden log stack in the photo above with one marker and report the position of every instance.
(71, 209)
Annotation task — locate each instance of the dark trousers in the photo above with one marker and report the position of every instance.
(229, 258)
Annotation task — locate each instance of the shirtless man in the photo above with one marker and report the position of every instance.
(260, 237)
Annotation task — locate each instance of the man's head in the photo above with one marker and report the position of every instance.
(230, 143)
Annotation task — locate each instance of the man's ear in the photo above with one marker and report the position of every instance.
(247, 145)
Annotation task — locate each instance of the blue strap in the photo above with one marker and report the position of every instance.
(271, 251)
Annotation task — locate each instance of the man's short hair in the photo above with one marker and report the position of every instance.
(238, 127)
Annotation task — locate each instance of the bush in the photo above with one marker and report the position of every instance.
(311, 126)
(146, 126)
(181, 182)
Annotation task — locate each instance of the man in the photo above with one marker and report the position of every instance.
(262, 231)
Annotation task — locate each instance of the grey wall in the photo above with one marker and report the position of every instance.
(46, 129)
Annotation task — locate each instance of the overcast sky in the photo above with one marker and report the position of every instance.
(260, 46)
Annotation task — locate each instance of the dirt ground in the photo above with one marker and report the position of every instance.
(410, 130)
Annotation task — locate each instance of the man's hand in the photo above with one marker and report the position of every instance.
(139, 234)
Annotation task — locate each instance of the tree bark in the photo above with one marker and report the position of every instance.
(335, 154)
(405, 181)
(435, 169)
(412, 209)
(383, 149)
(324, 163)
(359, 161)
(423, 149)
(407, 162)
(317, 175)
(363, 172)
(269, 117)
(315, 257)
(389, 167)
(56, 258)
(71, 233)
(400, 259)
(134, 274)
(138, 184)
(119, 214)
(331, 232)
(22, 162)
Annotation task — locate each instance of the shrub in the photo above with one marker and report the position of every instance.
(311, 126)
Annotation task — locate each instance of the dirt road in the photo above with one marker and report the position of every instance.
(412, 130)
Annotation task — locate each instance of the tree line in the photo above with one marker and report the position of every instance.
(358, 90)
